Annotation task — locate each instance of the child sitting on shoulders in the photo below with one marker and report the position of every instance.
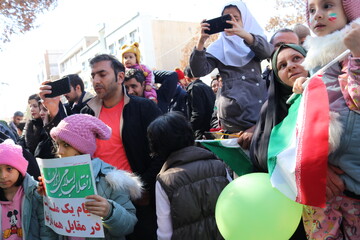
(131, 59)
(336, 24)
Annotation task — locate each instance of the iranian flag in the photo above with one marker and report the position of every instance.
(298, 147)
(231, 153)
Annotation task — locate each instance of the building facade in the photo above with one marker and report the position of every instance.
(161, 43)
(48, 66)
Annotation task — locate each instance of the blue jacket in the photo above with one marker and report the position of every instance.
(32, 212)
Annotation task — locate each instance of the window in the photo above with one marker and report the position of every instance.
(122, 41)
(112, 49)
(134, 36)
(62, 67)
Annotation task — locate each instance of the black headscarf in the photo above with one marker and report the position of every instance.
(272, 112)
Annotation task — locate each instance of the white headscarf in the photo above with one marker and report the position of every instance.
(231, 50)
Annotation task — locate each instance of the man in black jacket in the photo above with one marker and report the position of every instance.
(128, 149)
(135, 85)
(77, 97)
(201, 100)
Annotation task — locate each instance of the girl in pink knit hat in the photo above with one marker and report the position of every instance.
(21, 205)
(336, 24)
(76, 135)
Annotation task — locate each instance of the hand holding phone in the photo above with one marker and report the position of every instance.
(59, 87)
(218, 24)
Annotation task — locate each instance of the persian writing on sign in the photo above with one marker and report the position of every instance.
(67, 182)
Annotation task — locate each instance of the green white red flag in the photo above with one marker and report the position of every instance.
(231, 153)
(298, 147)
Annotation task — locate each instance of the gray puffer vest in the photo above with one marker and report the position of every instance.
(193, 179)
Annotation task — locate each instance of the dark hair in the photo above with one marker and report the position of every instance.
(34, 97)
(229, 6)
(76, 80)
(18, 182)
(18, 114)
(282, 30)
(134, 73)
(214, 79)
(188, 72)
(168, 133)
(116, 65)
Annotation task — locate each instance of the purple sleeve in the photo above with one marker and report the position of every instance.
(350, 83)
(149, 79)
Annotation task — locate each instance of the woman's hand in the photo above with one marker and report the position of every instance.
(352, 40)
(238, 29)
(298, 85)
(203, 36)
(334, 184)
(100, 206)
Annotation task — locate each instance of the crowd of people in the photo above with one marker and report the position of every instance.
(140, 128)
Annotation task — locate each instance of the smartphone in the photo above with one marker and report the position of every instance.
(59, 87)
(218, 24)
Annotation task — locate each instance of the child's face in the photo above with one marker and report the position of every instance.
(129, 59)
(34, 108)
(215, 86)
(236, 13)
(8, 176)
(326, 16)
(66, 150)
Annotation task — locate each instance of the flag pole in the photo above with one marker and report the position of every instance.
(225, 134)
(320, 72)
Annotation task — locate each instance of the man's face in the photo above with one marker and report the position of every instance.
(72, 96)
(285, 38)
(17, 120)
(133, 87)
(104, 81)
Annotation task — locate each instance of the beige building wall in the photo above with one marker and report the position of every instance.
(169, 39)
(48, 66)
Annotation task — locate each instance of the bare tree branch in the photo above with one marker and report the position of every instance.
(189, 47)
(18, 16)
(284, 20)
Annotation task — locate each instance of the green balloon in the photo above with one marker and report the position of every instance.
(250, 208)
